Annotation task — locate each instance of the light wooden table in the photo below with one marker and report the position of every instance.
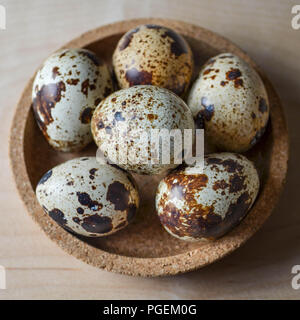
(36, 267)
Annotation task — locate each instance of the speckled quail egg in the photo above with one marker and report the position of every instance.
(194, 204)
(66, 90)
(88, 198)
(156, 55)
(230, 101)
(124, 126)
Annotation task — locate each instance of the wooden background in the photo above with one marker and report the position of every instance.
(36, 268)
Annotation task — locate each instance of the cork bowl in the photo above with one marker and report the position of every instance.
(144, 248)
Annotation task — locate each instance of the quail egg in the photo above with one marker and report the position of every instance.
(66, 90)
(125, 125)
(230, 102)
(88, 198)
(155, 55)
(194, 204)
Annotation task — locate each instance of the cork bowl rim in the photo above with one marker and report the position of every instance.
(173, 264)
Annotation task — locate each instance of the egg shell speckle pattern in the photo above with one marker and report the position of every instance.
(66, 90)
(127, 115)
(88, 198)
(230, 101)
(195, 205)
(152, 54)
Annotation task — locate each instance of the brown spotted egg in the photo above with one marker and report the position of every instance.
(66, 90)
(152, 54)
(88, 198)
(230, 102)
(125, 123)
(194, 204)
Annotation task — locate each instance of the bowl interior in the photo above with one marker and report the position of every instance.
(145, 237)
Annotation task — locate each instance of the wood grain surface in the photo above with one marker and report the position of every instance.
(35, 267)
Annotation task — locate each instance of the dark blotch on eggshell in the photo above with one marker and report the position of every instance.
(238, 83)
(118, 116)
(58, 216)
(76, 220)
(80, 210)
(263, 107)
(118, 195)
(199, 120)
(178, 45)
(236, 183)
(45, 100)
(108, 130)
(55, 72)
(93, 171)
(86, 115)
(136, 77)
(220, 184)
(100, 124)
(230, 165)
(214, 161)
(234, 215)
(233, 74)
(85, 200)
(85, 87)
(97, 224)
(72, 82)
(207, 71)
(205, 114)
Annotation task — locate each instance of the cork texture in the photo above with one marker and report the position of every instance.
(145, 248)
